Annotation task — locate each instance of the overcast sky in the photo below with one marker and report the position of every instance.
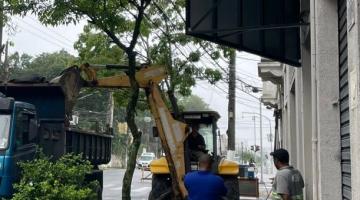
(33, 38)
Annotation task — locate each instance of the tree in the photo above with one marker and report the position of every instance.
(193, 103)
(95, 47)
(48, 65)
(183, 65)
(124, 22)
(119, 20)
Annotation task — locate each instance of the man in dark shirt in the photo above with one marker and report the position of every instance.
(196, 143)
(203, 184)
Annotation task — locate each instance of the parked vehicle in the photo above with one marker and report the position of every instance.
(144, 160)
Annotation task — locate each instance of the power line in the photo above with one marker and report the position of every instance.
(255, 78)
(244, 86)
(181, 52)
(244, 89)
(242, 98)
(65, 38)
(44, 39)
(224, 92)
(237, 99)
(45, 33)
(166, 34)
(183, 19)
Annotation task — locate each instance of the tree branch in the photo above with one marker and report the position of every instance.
(134, 3)
(136, 33)
(115, 39)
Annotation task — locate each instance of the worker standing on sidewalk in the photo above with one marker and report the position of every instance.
(288, 183)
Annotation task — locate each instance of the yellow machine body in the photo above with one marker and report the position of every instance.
(225, 167)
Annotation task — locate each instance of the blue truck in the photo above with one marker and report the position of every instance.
(37, 114)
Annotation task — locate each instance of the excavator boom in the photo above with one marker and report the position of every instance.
(172, 133)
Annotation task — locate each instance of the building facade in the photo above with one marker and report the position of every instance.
(318, 104)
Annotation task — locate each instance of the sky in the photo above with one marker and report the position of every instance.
(33, 38)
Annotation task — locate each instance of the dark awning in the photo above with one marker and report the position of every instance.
(268, 28)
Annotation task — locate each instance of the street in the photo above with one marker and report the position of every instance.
(140, 189)
(113, 185)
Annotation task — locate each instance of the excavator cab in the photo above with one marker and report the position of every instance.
(206, 121)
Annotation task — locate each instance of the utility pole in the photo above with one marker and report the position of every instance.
(231, 106)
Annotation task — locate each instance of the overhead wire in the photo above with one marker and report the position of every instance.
(224, 92)
(60, 35)
(216, 63)
(183, 54)
(44, 38)
(184, 20)
(43, 32)
(242, 98)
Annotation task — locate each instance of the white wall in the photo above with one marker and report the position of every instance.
(353, 67)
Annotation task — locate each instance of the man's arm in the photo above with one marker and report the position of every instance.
(282, 188)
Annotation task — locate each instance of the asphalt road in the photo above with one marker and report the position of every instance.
(140, 189)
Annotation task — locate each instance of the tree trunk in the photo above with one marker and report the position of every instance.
(174, 104)
(130, 119)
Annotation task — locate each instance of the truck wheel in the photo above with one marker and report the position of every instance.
(160, 187)
(232, 186)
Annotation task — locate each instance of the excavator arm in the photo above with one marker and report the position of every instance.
(172, 133)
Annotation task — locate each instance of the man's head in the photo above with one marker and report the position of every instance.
(281, 158)
(194, 129)
(205, 162)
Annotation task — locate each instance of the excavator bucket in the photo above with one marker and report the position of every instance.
(71, 83)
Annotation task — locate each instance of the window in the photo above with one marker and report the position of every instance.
(206, 130)
(146, 158)
(4, 130)
(24, 122)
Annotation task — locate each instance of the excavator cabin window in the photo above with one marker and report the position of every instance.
(206, 131)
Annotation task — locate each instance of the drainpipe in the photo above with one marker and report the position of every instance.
(315, 165)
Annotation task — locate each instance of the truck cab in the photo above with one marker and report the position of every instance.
(18, 138)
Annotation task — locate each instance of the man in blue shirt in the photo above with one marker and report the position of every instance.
(203, 184)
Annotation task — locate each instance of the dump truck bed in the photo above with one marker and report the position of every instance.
(55, 136)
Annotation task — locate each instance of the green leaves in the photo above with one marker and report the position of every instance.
(48, 65)
(194, 56)
(95, 47)
(193, 103)
(63, 179)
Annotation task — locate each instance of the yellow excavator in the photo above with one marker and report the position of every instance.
(173, 133)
